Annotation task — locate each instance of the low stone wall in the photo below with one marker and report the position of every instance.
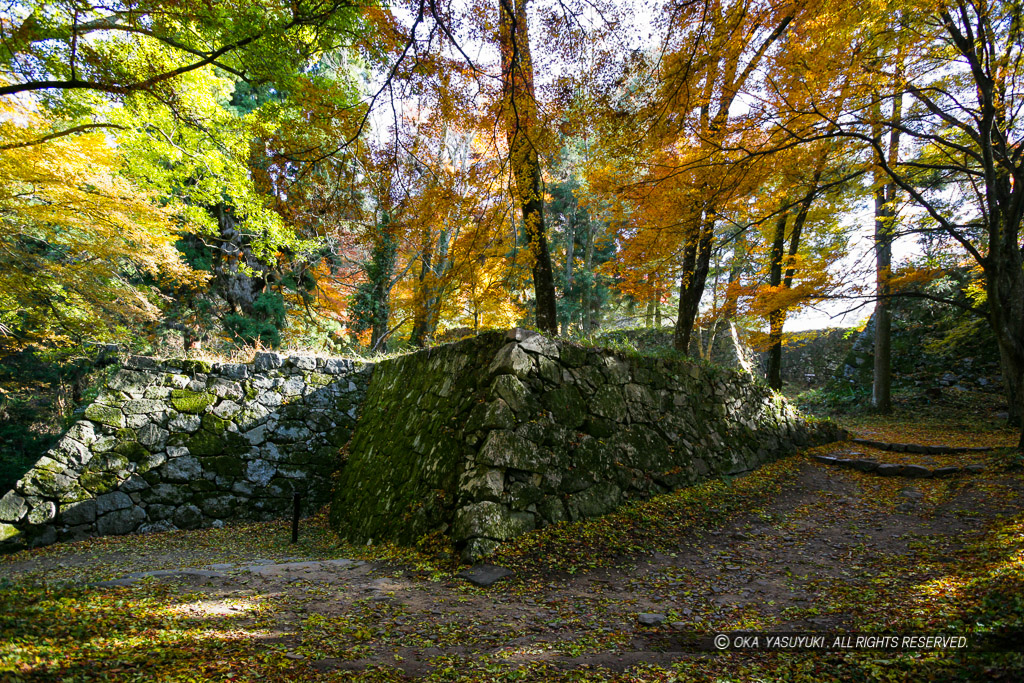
(187, 443)
(489, 438)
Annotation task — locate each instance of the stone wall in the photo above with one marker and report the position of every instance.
(489, 438)
(187, 443)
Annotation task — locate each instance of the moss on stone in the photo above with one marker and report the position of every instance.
(223, 465)
(608, 402)
(194, 402)
(214, 424)
(109, 462)
(317, 379)
(204, 443)
(107, 415)
(8, 531)
(98, 482)
(339, 436)
(126, 434)
(566, 404)
(294, 411)
(196, 366)
(201, 486)
(235, 444)
(178, 439)
(132, 450)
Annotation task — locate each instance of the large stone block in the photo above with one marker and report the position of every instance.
(181, 469)
(120, 522)
(75, 514)
(193, 402)
(105, 415)
(506, 449)
(12, 507)
(118, 500)
(511, 360)
(490, 520)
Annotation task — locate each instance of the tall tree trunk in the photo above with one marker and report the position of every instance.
(420, 324)
(521, 124)
(885, 216)
(588, 265)
(381, 276)
(1004, 279)
(881, 384)
(777, 316)
(696, 261)
(570, 255)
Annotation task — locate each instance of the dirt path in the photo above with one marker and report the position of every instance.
(805, 560)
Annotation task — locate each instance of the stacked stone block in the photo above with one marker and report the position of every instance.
(487, 439)
(188, 443)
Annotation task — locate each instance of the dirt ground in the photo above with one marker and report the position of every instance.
(833, 549)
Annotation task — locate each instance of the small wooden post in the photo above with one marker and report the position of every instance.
(296, 511)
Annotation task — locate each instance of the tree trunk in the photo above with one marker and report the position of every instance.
(885, 215)
(570, 255)
(1004, 278)
(381, 275)
(521, 124)
(776, 317)
(588, 265)
(881, 384)
(696, 260)
(420, 324)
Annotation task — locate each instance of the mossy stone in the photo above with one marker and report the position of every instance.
(597, 500)
(317, 379)
(178, 439)
(566, 404)
(194, 402)
(74, 494)
(200, 486)
(126, 434)
(508, 449)
(196, 366)
(107, 415)
(110, 461)
(223, 465)
(235, 444)
(608, 402)
(214, 424)
(293, 411)
(339, 436)
(490, 520)
(132, 450)
(573, 356)
(204, 443)
(98, 482)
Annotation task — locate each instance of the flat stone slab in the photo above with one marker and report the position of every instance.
(264, 568)
(136, 577)
(292, 568)
(484, 575)
(650, 619)
(919, 448)
(898, 470)
(916, 472)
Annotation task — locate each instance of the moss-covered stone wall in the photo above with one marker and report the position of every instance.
(187, 443)
(489, 438)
